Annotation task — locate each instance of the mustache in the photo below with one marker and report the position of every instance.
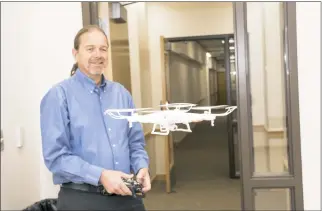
(97, 60)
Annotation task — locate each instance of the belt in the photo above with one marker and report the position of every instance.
(87, 188)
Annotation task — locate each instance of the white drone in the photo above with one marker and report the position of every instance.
(170, 115)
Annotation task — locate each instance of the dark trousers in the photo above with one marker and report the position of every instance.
(70, 199)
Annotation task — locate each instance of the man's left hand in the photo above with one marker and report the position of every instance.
(143, 177)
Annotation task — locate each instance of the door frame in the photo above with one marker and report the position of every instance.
(231, 124)
(249, 182)
(170, 177)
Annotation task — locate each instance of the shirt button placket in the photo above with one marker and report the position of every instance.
(109, 131)
(114, 149)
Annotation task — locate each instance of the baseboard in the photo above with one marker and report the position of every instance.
(159, 177)
(271, 133)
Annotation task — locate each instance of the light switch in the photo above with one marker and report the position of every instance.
(19, 137)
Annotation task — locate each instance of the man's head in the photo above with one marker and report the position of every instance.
(91, 51)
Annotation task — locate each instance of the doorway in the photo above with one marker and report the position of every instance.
(186, 81)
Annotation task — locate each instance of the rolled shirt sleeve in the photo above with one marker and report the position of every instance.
(58, 158)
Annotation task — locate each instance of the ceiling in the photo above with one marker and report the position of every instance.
(187, 5)
(216, 47)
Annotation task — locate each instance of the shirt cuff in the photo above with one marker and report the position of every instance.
(140, 165)
(93, 174)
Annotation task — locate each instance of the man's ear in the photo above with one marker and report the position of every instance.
(75, 52)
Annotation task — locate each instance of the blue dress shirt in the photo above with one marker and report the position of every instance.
(79, 141)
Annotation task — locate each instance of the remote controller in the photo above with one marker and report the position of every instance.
(135, 187)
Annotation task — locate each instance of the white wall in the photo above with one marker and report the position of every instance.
(36, 52)
(309, 74)
(188, 79)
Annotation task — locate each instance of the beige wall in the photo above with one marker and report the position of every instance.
(265, 28)
(188, 78)
(266, 65)
(212, 66)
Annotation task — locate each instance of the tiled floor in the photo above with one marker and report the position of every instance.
(203, 181)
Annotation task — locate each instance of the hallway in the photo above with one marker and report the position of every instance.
(202, 170)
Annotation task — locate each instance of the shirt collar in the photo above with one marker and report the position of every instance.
(88, 82)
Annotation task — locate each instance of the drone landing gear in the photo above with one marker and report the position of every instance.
(163, 130)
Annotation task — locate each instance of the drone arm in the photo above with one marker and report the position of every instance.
(114, 116)
(229, 110)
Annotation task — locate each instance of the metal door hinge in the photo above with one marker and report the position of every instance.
(2, 142)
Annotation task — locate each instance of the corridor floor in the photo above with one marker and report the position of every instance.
(202, 171)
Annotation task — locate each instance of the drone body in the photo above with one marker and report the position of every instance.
(168, 118)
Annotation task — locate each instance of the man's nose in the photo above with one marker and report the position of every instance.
(97, 53)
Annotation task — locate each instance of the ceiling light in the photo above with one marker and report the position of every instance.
(232, 57)
(231, 47)
(208, 54)
(230, 41)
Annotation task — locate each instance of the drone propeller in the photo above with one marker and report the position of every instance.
(127, 110)
(163, 111)
(177, 105)
(116, 113)
(209, 107)
(151, 111)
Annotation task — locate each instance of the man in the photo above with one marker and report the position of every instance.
(85, 149)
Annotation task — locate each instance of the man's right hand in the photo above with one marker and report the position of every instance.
(113, 183)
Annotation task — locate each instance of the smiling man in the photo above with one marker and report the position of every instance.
(84, 149)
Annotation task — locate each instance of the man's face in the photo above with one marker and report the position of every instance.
(92, 53)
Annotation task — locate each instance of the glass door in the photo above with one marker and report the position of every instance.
(267, 99)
